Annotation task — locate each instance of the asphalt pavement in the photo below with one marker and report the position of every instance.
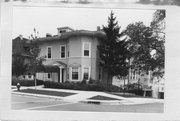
(24, 102)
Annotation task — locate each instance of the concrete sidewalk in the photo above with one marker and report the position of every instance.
(83, 96)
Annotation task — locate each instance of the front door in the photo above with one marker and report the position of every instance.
(62, 73)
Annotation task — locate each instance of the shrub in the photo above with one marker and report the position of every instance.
(82, 86)
(26, 82)
(135, 88)
(92, 81)
(84, 81)
(136, 91)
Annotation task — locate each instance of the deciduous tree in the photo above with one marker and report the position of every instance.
(19, 67)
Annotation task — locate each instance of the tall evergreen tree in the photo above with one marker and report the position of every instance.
(113, 51)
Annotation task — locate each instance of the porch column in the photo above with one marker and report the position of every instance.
(60, 75)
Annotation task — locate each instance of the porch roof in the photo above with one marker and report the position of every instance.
(49, 68)
(54, 66)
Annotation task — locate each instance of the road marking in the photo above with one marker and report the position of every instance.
(47, 106)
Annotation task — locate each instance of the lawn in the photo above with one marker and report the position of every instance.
(128, 95)
(99, 97)
(45, 92)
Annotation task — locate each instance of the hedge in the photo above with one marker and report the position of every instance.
(27, 82)
(82, 86)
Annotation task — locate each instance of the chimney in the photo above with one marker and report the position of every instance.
(48, 35)
(21, 37)
(98, 28)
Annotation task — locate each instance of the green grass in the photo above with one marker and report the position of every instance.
(99, 97)
(46, 92)
(128, 95)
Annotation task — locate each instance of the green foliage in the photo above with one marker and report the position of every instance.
(26, 82)
(140, 45)
(135, 88)
(80, 86)
(92, 81)
(158, 27)
(19, 67)
(113, 50)
(36, 62)
(146, 50)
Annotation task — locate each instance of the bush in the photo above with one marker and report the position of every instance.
(135, 88)
(136, 91)
(84, 81)
(26, 82)
(92, 81)
(82, 86)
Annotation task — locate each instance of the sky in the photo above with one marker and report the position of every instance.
(48, 19)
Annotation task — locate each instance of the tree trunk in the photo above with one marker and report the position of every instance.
(124, 85)
(35, 81)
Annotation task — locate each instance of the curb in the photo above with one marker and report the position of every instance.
(109, 102)
(116, 102)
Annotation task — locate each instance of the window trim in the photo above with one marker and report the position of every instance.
(65, 51)
(83, 48)
(71, 68)
(47, 52)
(89, 71)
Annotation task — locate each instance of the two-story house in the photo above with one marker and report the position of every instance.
(71, 55)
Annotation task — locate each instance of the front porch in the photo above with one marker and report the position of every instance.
(56, 71)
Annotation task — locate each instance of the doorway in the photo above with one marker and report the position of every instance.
(62, 77)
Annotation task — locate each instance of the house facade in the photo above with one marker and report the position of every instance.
(71, 55)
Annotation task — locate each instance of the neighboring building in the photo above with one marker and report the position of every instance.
(151, 85)
(71, 55)
(19, 46)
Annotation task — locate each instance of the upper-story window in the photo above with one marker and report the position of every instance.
(49, 52)
(62, 31)
(86, 49)
(62, 51)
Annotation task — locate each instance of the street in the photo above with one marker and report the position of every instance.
(22, 102)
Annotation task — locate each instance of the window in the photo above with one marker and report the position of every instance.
(62, 51)
(49, 75)
(48, 52)
(86, 51)
(75, 75)
(62, 31)
(29, 75)
(86, 73)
